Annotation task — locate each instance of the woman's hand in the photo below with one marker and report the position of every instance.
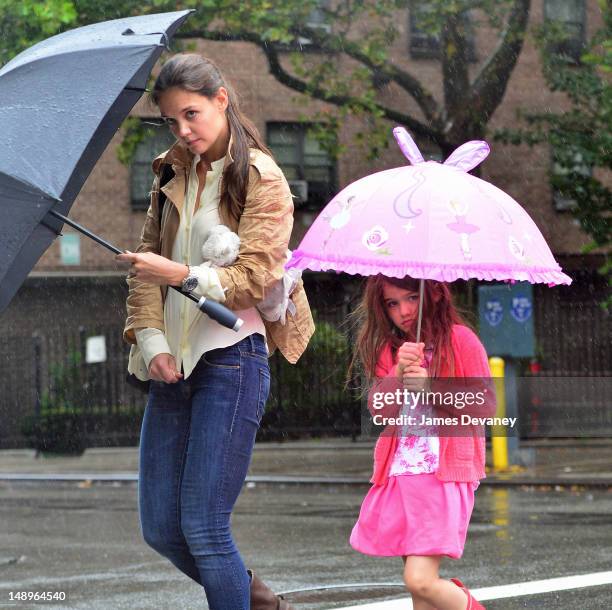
(163, 368)
(154, 269)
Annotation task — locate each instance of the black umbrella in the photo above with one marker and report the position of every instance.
(61, 102)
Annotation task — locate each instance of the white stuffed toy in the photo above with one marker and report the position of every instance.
(221, 248)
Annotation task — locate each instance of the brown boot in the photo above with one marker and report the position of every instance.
(263, 598)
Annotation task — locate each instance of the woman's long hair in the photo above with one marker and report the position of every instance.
(375, 327)
(192, 72)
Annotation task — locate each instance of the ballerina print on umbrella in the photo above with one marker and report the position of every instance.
(462, 227)
(341, 218)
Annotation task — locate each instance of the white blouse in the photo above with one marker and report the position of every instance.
(189, 332)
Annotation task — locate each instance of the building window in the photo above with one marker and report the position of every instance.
(571, 15)
(424, 44)
(157, 140)
(316, 20)
(561, 200)
(309, 169)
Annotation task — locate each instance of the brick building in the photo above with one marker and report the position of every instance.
(77, 283)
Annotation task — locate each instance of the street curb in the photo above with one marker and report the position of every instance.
(335, 445)
(131, 477)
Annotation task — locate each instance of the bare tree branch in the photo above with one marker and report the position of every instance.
(467, 109)
(301, 86)
(326, 43)
(490, 84)
(454, 55)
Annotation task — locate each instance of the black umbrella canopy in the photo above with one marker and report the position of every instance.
(61, 102)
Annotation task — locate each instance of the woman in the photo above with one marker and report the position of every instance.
(208, 384)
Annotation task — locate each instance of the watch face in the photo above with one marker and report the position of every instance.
(190, 284)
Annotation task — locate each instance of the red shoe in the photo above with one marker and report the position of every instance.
(473, 603)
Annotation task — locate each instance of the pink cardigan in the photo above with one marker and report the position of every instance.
(462, 458)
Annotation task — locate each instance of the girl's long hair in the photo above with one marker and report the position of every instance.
(375, 327)
(192, 72)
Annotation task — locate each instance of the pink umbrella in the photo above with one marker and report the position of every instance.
(430, 221)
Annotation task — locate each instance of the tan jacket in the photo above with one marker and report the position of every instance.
(264, 230)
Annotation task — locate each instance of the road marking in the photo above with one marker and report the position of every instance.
(534, 587)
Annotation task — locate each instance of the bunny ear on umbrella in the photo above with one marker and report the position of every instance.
(408, 146)
(469, 155)
(465, 158)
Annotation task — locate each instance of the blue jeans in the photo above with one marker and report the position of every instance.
(195, 448)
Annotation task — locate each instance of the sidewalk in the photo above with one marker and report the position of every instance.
(333, 461)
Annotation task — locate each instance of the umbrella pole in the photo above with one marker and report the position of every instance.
(211, 308)
(420, 317)
(86, 232)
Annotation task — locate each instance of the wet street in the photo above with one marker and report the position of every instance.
(83, 539)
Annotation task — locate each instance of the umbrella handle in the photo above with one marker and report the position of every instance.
(212, 309)
(420, 316)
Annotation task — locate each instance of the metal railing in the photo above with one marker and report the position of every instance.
(49, 389)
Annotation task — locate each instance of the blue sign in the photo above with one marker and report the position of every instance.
(506, 319)
(70, 249)
(494, 312)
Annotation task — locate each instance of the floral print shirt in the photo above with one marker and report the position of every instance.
(418, 447)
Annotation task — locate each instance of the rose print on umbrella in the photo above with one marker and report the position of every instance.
(462, 227)
(375, 238)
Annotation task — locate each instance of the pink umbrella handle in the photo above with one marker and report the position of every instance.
(469, 155)
(407, 146)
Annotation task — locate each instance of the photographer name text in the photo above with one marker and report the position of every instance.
(424, 420)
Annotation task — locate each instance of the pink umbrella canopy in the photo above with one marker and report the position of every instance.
(431, 221)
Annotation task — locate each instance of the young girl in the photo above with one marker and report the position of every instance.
(420, 504)
(209, 384)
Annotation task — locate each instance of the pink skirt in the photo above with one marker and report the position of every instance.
(414, 514)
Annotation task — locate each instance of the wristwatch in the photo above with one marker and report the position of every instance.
(190, 283)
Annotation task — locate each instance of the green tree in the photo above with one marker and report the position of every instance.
(579, 137)
(28, 21)
(348, 58)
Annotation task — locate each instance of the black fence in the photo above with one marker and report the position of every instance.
(55, 400)
(564, 407)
